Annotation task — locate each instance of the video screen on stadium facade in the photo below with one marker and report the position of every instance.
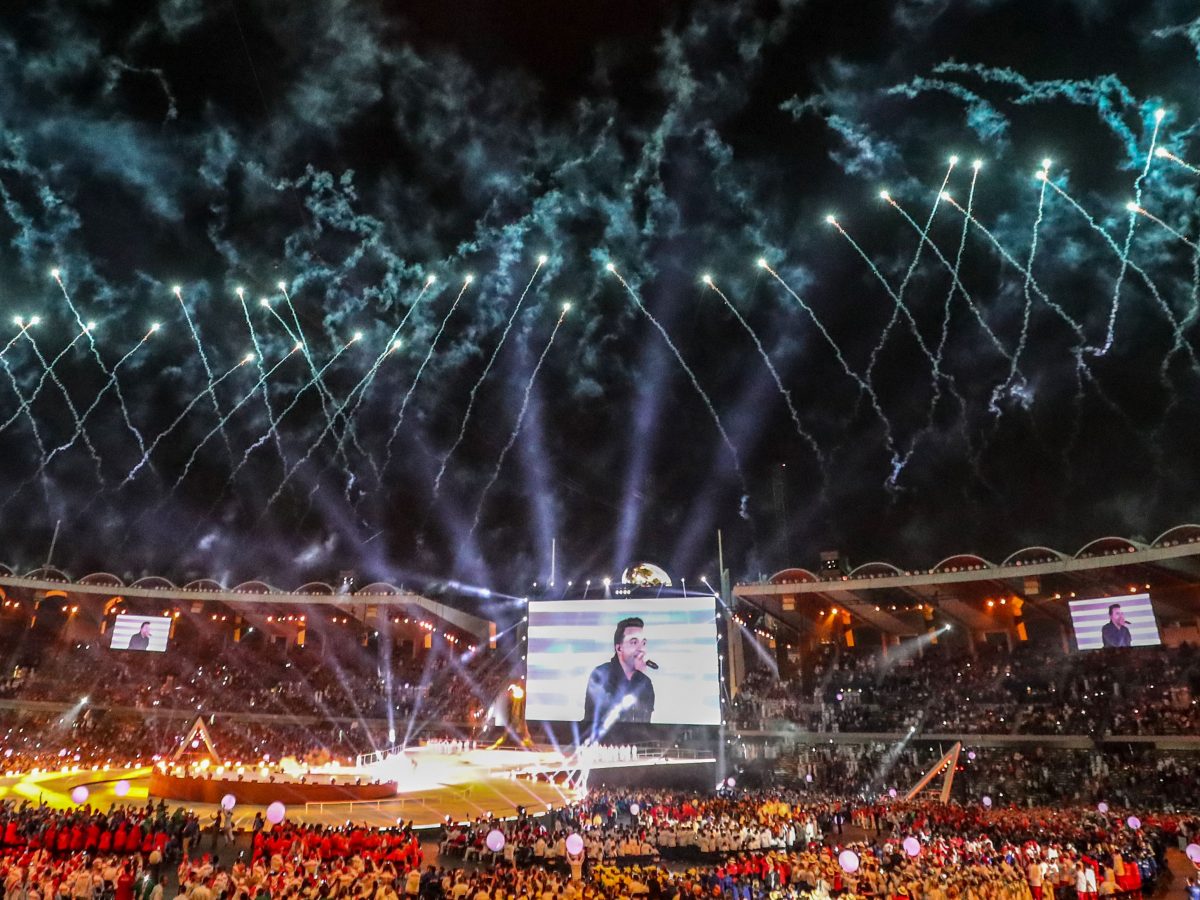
(1122, 621)
(600, 662)
(148, 633)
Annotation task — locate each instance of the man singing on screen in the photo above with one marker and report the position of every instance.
(1116, 633)
(619, 690)
(141, 640)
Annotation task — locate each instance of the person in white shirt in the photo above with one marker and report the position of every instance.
(1081, 882)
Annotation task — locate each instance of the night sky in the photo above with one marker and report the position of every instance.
(1032, 377)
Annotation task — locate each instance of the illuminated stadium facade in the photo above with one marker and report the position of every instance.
(1024, 597)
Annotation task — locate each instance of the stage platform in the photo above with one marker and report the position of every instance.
(431, 784)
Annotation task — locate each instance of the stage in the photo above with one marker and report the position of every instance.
(430, 784)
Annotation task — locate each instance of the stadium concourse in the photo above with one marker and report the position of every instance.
(869, 732)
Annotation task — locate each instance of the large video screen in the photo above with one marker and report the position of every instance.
(1123, 621)
(600, 662)
(140, 633)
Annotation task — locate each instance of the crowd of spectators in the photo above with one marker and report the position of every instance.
(295, 682)
(87, 705)
(1022, 776)
(747, 845)
(993, 691)
(92, 737)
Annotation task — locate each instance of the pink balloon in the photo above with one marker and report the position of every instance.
(275, 812)
(912, 846)
(634, 809)
(1134, 822)
(574, 844)
(987, 801)
(1193, 852)
(121, 788)
(892, 793)
(1102, 806)
(730, 781)
(970, 754)
(495, 840)
(848, 860)
(228, 802)
(80, 795)
(808, 777)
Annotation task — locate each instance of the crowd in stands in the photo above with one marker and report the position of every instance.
(658, 844)
(92, 737)
(1024, 822)
(310, 704)
(295, 682)
(1150, 690)
(1023, 776)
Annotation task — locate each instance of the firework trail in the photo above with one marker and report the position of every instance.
(347, 430)
(204, 440)
(956, 284)
(258, 357)
(1026, 291)
(87, 441)
(1180, 328)
(462, 428)
(262, 439)
(26, 402)
(787, 397)
(37, 436)
(387, 459)
(357, 390)
(1134, 208)
(249, 358)
(12, 380)
(104, 389)
(1137, 200)
(863, 385)
(712, 411)
(900, 308)
(1164, 153)
(1181, 342)
(208, 373)
(512, 438)
(322, 391)
(56, 274)
(1193, 312)
(1011, 260)
(1080, 361)
(912, 267)
(935, 363)
(21, 324)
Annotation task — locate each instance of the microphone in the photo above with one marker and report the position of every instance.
(651, 664)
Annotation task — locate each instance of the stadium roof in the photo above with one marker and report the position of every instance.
(155, 587)
(968, 588)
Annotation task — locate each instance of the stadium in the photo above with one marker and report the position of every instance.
(857, 696)
(689, 450)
